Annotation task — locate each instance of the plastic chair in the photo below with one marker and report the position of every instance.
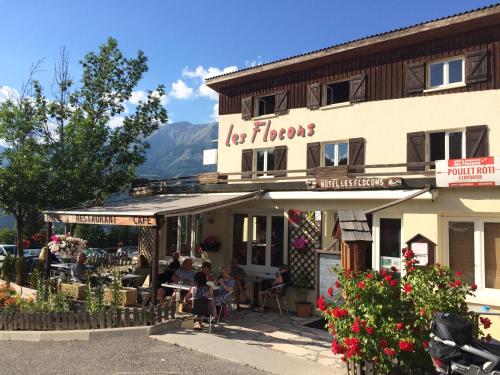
(277, 292)
(203, 307)
(228, 301)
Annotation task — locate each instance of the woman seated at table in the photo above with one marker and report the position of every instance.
(268, 285)
(201, 289)
(165, 278)
(142, 269)
(226, 286)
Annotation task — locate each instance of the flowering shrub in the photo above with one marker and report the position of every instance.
(11, 301)
(385, 319)
(67, 245)
(211, 243)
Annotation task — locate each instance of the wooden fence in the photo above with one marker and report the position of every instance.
(49, 321)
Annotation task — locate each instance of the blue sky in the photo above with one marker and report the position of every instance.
(185, 40)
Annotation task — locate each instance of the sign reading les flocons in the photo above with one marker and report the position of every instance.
(135, 221)
(483, 171)
(360, 183)
(264, 130)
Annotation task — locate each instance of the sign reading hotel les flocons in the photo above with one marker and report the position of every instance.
(358, 183)
(137, 221)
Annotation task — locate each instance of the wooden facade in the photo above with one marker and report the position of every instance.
(385, 71)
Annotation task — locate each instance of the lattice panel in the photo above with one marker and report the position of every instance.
(146, 241)
(303, 230)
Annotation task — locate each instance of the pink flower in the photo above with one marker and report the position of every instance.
(299, 243)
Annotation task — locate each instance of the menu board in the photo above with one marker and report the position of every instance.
(325, 276)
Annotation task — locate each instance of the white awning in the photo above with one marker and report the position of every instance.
(143, 211)
(346, 195)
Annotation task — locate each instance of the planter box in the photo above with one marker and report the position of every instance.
(75, 291)
(23, 291)
(129, 296)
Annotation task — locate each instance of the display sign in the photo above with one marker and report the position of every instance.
(136, 221)
(387, 262)
(343, 183)
(421, 251)
(326, 277)
(483, 171)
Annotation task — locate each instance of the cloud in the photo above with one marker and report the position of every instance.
(141, 96)
(199, 74)
(7, 92)
(180, 90)
(215, 112)
(206, 91)
(116, 122)
(253, 63)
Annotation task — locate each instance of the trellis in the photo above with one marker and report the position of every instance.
(146, 241)
(302, 262)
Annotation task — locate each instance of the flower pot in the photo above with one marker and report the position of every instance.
(303, 309)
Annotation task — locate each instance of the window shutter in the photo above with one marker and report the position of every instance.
(476, 141)
(356, 154)
(313, 156)
(246, 163)
(246, 108)
(415, 78)
(313, 97)
(476, 66)
(415, 150)
(357, 89)
(281, 104)
(280, 160)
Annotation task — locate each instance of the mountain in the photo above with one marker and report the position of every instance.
(177, 150)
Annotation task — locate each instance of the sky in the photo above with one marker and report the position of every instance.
(186, 41)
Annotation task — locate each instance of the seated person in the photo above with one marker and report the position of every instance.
(79, 271)
(142, 269)
(201, 289)
(239, 274)
(282, 277)
(206, 268)
(184, 275)
(175, 264)
(42, 258)
(165, 277)
(227, 284)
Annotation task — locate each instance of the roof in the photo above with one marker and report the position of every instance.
(475, 18)
(353, 225)
(117, 213)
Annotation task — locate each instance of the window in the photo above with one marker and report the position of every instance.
(266, 248)
(389, 242)
(264, 161)
(335, 154)
(265, 105)
(461, 245)
(446, 73)
(336, 92)
(184, 234)
(446, 145)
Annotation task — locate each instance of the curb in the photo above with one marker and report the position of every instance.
(87, 334)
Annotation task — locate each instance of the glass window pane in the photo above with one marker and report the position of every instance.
(461, 248)
(342, 147)
(390, 238)
(437, 146)
(270, 160)
(329, 154)
(277, 228)
(455, 145)
(437, 74)
(185, 235)
(259, 240)
(198, 232)
(240, 236)
(455, 71)
(171, 235)
(492, 255)
(260, 160)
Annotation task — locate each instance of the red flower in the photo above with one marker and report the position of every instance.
(347, 273)
(361, 285)
(339, 313)
(458, 274)
(330, 291)
(456, 283)
(337, 284)
(486, 322)
(425, 344)
(407, 288)
(383, 343)
(355, 327)
(388, 278)
(375, 359)
(406, 346)
(393, 269)
(411, 269)
(383, 272)
(488, 338)
(321, 303)
(400, 326)
(369, 275)
(369, 330)
(390, 352)
(408, 254)
(473, 287)
(421, 312)
(337, 348)
(394, 282)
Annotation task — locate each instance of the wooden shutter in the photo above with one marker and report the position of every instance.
(415, 150)
(476, 141)
(313, 97)
(280, 160)
(313, 156)
(415, 78)
(356, 154)
(281, 104)
(357, 89)
(246, 163)
(246, 108)
(476, 66)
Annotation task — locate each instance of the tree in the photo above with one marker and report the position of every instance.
(62, 152)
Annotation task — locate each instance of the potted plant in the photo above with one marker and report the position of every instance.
(302, 306)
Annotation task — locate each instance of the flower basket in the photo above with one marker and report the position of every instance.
(66, 245)
(75, 291)
(129, 296)
(210, 244)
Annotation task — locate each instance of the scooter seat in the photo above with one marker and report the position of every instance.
(489, 347)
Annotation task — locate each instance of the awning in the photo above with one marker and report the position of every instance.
(347, 195)
(144, 211)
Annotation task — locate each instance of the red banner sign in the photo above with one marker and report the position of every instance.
(483, 171)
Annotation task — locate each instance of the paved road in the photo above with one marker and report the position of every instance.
(118, 356)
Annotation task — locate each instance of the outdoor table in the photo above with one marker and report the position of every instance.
(62, 266)
(257, 279)
(178, 288)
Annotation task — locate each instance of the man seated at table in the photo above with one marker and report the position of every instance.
(79, 271)
(185, 274)
(239, 274)
(175, 264)
(268, 285)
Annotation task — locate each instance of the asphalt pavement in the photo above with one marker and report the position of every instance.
(120, 356)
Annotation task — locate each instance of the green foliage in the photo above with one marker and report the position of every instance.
(9, 268)
(58, 303)
(21, 270)
(94, 294)
(115, 287)
(7, 236)
(42, 286)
